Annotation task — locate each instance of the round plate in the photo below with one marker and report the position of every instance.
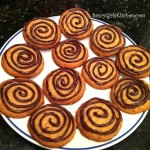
(130, 122)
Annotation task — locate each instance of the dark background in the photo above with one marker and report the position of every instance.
(15, 13)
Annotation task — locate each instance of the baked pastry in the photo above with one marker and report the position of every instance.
(42, 33)
(76, 23)
(134, 61)
(100, 73)
(22, 60)
(98, 119)
(131, 95)
(20, 97)
(69, 54)
(52, 125)
(64, 86)
(107, 40)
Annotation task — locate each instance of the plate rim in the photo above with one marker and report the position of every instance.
(102, 146)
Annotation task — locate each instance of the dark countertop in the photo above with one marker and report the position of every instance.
(133, 17)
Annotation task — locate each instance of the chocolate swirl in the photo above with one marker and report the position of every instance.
(130, 93)
(41, 32)
(134, 61)
(52, 123)
(75, 22)
(20, 95)
(107, 38)
(23, 59)
(70, 51)
(100, 70)
(62, 85)
(99, 116)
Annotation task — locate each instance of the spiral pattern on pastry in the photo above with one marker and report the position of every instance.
(20, 95)
(63, 85)
(42, 33)
(75, 22)
(23, 60)
(52, 123)
(130, 93)
(70, 53)
(134, 61)
(99, 116)
(100, 70)
(106, 39)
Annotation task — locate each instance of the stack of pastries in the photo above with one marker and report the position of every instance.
(52, 125)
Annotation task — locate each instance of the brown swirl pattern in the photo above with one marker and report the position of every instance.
(20, 95)
(107, 38)
(41, 31)
(52, 123)
(63, 85)
(100, 70)
(23, 59)
(70, 51)
(134, 61)
(130, 93)
(75, 22)
(99, 116)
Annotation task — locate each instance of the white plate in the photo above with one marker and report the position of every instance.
(130, 122)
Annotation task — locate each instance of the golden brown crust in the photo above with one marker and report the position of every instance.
(69, 54)
(98, 120)
(134, 61)
(131, 95)
(107, 40)
(76, 23)
(22, 61)
(64, 86)
(20, 97)
(57, 125)
(100, 73)
(42, 33)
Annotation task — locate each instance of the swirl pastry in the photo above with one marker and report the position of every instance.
(20, 97)
(22, 60)
(69, 54)
(42, 33)
(134, 61)
(98, 119)
(52, 125)
(64, 86)
(100, 73)
(76, 23)
(107, 40)
(131, 95)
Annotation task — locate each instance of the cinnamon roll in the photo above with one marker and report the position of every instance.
(69, 54)
(100, 73)
(52, 125)
(131, 95)
(134, 61)
(20, 97)
(42, 33)
(98, 119)
(76, 23)
(64, 86)
(22, 60)
(107, 40)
